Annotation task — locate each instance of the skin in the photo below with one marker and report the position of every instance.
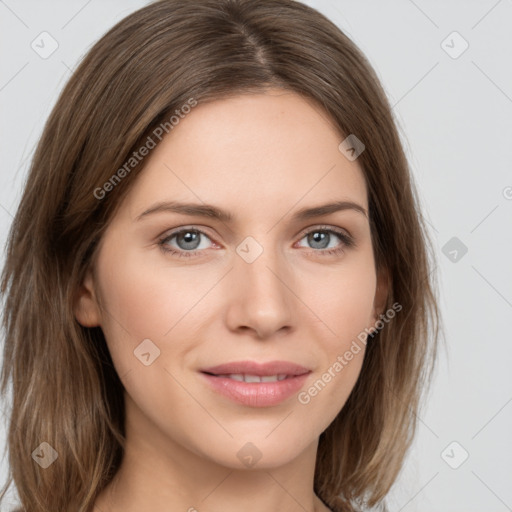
(261, 157)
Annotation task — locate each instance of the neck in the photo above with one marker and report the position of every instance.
(158, 474)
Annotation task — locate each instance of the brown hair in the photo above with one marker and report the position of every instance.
(64, 387)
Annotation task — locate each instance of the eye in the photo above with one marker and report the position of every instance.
(188, 241)
(321, 237)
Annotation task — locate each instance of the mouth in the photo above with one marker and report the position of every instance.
(240, 377)
(276, 369)
(256, 384)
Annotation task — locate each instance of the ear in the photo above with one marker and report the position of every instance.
(381, 293)
(85, 307)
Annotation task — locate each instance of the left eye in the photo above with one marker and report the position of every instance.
(189, 240)
(322, 237)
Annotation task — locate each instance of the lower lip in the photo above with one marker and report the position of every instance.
(257, 394)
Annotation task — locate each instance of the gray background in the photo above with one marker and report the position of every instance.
(453, 110)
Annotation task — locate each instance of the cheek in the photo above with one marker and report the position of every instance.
(143, 299)
(136, 289)
(345, 308)
(344, 299)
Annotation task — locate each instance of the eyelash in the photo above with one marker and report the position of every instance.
(347, 242)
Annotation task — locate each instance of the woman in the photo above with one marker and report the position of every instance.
(217, 282)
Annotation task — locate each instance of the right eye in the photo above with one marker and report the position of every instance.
(189, 239)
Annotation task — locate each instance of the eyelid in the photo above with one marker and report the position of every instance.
(324, 227)
(192, 227)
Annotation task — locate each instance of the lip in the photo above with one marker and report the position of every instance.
(255, 368)
(256, 394)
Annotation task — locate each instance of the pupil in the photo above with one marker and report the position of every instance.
(189, 240)
(319, 237)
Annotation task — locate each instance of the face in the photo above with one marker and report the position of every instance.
(177, 292)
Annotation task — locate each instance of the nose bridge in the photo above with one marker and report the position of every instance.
(260, 296)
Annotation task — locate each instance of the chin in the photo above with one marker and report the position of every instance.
(258, 450)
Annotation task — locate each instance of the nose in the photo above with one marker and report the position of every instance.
(260, 296)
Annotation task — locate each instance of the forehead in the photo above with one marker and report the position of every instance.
(260, 153)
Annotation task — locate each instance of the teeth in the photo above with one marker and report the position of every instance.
(252, 378)
(255, 378)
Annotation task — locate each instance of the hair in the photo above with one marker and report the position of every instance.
(65, 390)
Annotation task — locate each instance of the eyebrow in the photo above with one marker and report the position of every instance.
(213, 212)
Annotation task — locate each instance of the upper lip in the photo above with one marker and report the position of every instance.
(259, 369)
